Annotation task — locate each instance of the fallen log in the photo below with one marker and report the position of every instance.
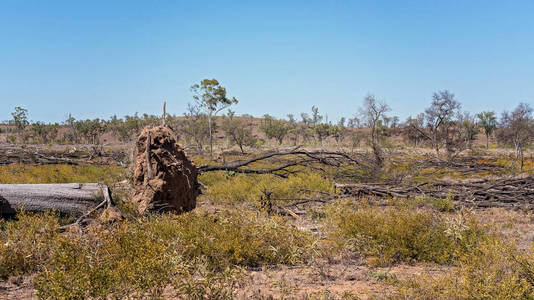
(68, 198)
(505, 192)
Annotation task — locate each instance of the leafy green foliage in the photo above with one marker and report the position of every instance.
(45, 133)
(20, 117)
(274, 128)
(488, 121)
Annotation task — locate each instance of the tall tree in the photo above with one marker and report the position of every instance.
(293, 131)
(211, 97)
(488, 121)
(316, 117)
(20, 117)
(440, 120)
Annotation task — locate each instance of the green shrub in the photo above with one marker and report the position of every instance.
(495, 269)
(26, 244)
(444, 205)
(244, 239)
(197, 254)
(397, 234)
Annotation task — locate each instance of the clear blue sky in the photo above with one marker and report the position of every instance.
(99, 58)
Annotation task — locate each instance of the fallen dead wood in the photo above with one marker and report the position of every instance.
(68, 198)
(284, 163)
(506, 192)
(42, 156)
(463, 165)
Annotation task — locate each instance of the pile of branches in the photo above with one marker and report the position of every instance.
(37, 156)
(502, 192)
(464, 164)
(284, 163)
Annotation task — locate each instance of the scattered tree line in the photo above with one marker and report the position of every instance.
(443, 126)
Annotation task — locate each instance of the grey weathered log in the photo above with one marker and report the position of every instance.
(68, 198)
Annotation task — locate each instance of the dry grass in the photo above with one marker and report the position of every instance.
(390, 235)
(60, 173)
(196, 255)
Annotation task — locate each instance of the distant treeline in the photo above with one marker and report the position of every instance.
(442, 126)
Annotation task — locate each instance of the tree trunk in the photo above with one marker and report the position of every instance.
(487, 141)
(211, 137)
(522, 158)
(68, 198)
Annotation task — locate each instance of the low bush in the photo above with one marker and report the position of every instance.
(397, 234)
(194, 255)
(26, 244)
(495, 269)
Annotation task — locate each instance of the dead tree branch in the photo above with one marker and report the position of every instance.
(284, 162)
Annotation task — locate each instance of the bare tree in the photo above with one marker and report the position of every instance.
(196, 126)
(517, 128)
(239, 131)
(372, 113)
(414, 130)
(440, 120)
(294, 131)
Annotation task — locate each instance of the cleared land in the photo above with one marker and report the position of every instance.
(299, 223)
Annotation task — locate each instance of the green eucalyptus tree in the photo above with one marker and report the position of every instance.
(488, 121)
(20, 117)
(211, 98)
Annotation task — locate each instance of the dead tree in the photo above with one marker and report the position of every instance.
(503, 192)
(292, 161)
(373, 112)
